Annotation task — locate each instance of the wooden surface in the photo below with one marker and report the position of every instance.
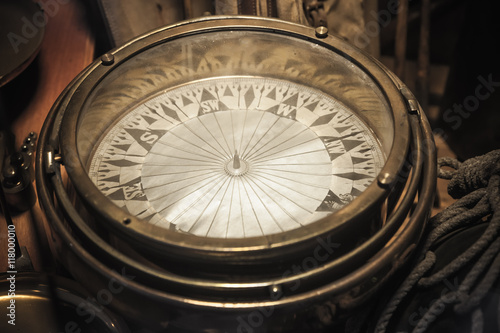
(68, 47)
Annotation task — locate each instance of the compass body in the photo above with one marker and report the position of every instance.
(231, 164)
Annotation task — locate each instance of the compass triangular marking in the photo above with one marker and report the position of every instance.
(222, 106)
(334, 156)
(167, 111)
(273, 109)
(121, 163)
(351, 144)
(272, 94)
(311, 107)
(342, 129)
(355, 192)
(123, 147)
(148, 119)
(330, 200)
(352, 175)
(228, 92)
(249, 97)
(114, 179)
(292, 100)
(323, 120)
(186, 101)
(131, 182)
(117, 195)
(206, 96)
(357, 160)
(283, 110)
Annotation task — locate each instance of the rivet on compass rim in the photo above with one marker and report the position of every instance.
(321, 32)
(275, 291)
(385, 179)
(411, 102)
(107, 59)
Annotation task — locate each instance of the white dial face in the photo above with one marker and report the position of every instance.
(236, 157)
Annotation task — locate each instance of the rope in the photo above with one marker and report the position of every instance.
(457, 208)
(476, 185)
(473, 174)
(434, 311)
(449, 162)
(404, 289)
(482, 289)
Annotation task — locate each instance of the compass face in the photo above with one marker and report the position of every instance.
(236, 157)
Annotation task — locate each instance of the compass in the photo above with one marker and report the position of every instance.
(232, 164)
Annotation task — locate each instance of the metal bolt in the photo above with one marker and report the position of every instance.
(385, 179)
(321, 32)
(275, 291)
(107, 59)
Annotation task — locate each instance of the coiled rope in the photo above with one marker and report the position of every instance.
(476, 185)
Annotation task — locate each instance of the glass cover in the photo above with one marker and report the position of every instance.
(235, 134)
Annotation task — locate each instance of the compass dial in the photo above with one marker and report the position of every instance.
(236, 157)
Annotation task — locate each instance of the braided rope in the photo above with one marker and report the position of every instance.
(404, 289)
(476, 185)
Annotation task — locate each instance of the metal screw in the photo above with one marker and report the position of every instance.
(321, 32)
(107, 59)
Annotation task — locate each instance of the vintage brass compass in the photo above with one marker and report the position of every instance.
(231, 164)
